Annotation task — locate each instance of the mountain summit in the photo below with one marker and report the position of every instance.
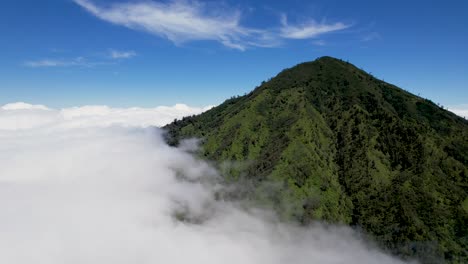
(325, 140)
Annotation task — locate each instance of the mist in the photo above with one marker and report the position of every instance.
(99, 185)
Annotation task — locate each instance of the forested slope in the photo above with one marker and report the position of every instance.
(325, 140)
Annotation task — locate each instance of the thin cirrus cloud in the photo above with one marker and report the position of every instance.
(64, 63)
(116, 54)
(79, 61)
(371, 36)
(319, 42)
(183, 21)
(310, 29)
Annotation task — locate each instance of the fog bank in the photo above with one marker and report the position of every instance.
(104, 189)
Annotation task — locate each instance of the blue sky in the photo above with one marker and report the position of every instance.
(124, 53)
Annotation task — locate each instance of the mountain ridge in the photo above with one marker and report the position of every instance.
(344, 147)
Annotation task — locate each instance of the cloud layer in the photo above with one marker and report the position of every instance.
(461, 110)
(18, 116)
(89, 193)
(181, 21)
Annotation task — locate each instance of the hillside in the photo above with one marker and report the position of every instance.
(325, 140)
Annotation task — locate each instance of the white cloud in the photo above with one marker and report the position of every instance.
(460, 110)
(20, 116)
(115, 54)
(23, 106)
(87, 194)
(178, 21)
(181, 21)
(310, 29)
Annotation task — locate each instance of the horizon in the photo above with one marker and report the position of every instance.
(66, 53)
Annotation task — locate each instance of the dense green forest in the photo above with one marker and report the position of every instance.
(325, 140)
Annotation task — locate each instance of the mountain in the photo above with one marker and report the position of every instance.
(325, 140)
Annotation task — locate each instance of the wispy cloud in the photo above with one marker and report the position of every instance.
(178, 21)
(50, 63)
(371, 36)
(88, 62)
(116, 54)
(310, 29)
(182, 21)
(319, 42)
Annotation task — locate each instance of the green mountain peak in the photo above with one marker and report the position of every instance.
(327, 141)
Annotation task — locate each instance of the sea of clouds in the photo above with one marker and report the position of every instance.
(99, 185)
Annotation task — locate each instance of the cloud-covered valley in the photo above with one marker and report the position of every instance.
(17, 116)
(98, 185)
